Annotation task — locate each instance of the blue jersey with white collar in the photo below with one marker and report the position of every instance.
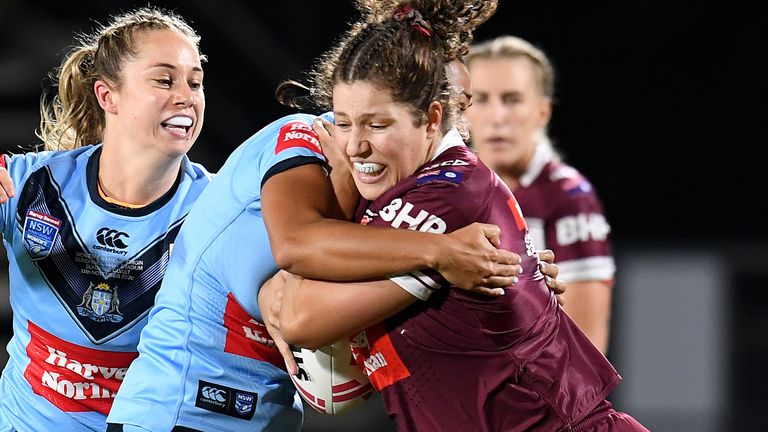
(83, 276)
(205, 360)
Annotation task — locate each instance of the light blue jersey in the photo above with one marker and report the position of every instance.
(205, 362)
(83, 276)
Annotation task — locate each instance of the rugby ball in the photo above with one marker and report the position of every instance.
(329, 380)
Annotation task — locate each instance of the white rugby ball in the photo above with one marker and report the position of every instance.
(329, 380)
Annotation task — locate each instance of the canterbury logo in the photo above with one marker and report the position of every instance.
(213, 394)
(111, 237)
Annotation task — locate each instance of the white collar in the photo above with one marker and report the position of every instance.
(451, 139)
(542, 155)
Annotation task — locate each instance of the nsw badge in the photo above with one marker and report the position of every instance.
(39, 234)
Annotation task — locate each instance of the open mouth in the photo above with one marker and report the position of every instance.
(179, 125)
(368, 168)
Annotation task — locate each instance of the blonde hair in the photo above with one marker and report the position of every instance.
(73, 117)
(515, 47)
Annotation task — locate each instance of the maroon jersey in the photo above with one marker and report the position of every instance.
(465, 362)
(564, 214)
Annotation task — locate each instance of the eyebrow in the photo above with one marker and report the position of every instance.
(170, 66)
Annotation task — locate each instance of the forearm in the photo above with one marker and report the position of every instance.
(337, 250)
(345, 191)
(317, 313)
(588, 303)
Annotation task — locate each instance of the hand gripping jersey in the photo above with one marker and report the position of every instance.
(83, 276)
(466, 362)
(205, 360)
(564, 214)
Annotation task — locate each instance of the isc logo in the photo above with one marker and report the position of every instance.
(580, 228)
(398, 213)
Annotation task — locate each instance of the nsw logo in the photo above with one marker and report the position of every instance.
(244, 403)
(39, 234)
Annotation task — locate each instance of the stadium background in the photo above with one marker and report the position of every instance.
(658, 103)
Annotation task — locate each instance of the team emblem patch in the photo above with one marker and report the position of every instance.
(40, 231)
(244, 403)
(439, 176)
(100, 303)
(226, 400)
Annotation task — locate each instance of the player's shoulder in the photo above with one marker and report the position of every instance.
(293, 131)
(560, 177)
(18, 165)
(454, 166)
(196, 171)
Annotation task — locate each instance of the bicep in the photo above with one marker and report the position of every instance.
(293, 198)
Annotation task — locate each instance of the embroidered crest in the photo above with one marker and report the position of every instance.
(101, 303)
(39, 234)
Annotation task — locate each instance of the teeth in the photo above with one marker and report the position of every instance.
(179, 121)
(368, 167)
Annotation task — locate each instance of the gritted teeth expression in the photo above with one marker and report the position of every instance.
(379, 136)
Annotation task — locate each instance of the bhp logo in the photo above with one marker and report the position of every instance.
(111, 237)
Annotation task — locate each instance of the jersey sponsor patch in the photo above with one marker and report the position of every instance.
(297, 134)
(225, 400)
(402, 214)
(375, 355)
(439, 176)
(247, 337)
(581, 228)
(72, 377)
(39, 234)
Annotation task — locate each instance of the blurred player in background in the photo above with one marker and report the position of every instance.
(443, 359)
(513, 87)
(89, 232)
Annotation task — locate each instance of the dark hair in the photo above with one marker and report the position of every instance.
(403, 47)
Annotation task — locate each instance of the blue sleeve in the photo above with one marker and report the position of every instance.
(290, 142)
(19, 168)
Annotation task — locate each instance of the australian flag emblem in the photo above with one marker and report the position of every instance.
(39, 234)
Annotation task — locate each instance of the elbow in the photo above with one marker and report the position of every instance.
(286, 257)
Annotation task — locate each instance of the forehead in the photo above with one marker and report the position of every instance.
(166, 46)
(502, 71)
(361, 97)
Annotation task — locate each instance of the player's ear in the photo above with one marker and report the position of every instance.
(106, 96)
(434, 118)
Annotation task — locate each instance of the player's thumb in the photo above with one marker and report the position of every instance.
(492, 233)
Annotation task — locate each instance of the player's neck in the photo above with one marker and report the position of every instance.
(135, 180)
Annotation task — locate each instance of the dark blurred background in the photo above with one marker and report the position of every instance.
(658, 102)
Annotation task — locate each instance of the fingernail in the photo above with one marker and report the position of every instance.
(520, 270)
(515, 280)
(548, 280)
(541, 266)
(500, 291)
